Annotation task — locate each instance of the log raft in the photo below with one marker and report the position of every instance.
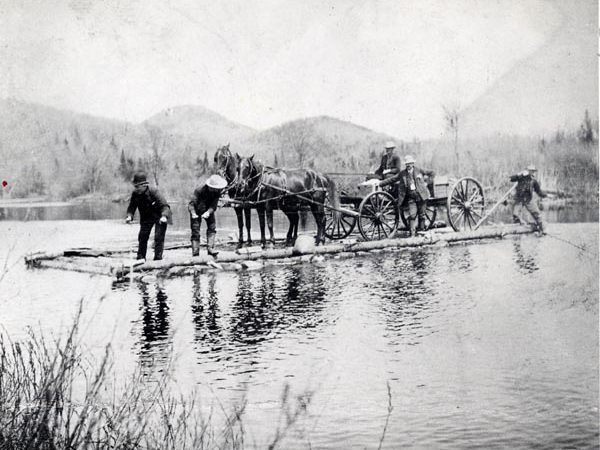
(107, 262)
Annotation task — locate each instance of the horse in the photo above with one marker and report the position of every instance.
(288, 190)
(226, 166)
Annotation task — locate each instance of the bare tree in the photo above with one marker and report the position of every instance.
(451, 116)
(297, 137)
(155, 161)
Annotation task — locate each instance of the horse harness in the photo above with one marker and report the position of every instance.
(285, 193)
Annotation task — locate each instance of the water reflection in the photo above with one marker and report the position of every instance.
(154, 341)
(407, 295)
(266, 305)
(205, 313)
(526, 258)
(460, 258)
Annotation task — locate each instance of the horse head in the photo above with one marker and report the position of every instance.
(247, 174)
(225, 163)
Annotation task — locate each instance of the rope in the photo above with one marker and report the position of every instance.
(582, 248)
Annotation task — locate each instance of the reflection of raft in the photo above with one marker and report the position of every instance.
(178, 262)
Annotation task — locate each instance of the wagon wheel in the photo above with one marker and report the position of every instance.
(430, 215)
(378, 217)
(337, 224)
(465, 204)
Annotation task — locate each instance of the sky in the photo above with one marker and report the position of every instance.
(387, 65)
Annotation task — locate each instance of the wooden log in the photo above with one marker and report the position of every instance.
(231, 260)
(74, 267)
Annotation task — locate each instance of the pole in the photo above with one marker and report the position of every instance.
(495, 206)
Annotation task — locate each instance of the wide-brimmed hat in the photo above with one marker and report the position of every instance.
(216, 182)
(139, 178)
(531, 168)
(409, 159)
(390, 144)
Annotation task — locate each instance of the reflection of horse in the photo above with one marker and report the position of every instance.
(226, 166)
(289, 190)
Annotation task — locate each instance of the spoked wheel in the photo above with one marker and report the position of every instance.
(430, 215)
(338, 225)
(465, 204)
(378, 217)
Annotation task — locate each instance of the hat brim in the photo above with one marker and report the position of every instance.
(220, 185)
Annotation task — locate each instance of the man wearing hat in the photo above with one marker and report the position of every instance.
(390, 162)
(154, 212)
(203, 206)
(526, 185)
(412, 192)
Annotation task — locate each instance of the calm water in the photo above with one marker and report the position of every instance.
(486, 345)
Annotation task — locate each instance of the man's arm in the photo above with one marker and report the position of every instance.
(516, 177)
(192, 202)
(165, 209)
(538, 190)
(132, 207)
(396, 165)
(379, 171)
(430, 173)
(390, 180)
(214, 204)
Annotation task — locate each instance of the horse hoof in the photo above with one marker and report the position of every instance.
(249, 243)
(239, 245)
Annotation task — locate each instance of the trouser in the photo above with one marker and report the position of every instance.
(416, 210)
(160, 231)
(211, 227)
(533, 209)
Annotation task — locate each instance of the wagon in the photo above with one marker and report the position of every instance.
(378, 216)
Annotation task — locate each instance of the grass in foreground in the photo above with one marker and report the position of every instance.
(52, 397)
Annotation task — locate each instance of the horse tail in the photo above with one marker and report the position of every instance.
(332, 192)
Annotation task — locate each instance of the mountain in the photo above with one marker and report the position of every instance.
(200, 126)
(551, 88)
(323, 142)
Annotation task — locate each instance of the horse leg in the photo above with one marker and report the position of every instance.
(319, 215)
(261, 221)
(292, 218)
(296, 222)
(240, 221)
(269, 214)
(248, 225)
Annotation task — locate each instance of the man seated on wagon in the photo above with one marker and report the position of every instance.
(412, 192)
(390, 162)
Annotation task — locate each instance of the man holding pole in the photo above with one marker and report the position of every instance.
(526, 185)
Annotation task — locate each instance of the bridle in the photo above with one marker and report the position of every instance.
(223, 170)
(242, 184)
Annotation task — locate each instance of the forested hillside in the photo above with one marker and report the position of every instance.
(61, 155)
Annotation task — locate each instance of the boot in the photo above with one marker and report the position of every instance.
(210, 245)
(413, 227)
(540, 227)
(195, 248)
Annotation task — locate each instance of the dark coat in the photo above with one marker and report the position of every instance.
(526, 185)
(403, 179)
(204, 199)
(392, 164)
(151, 204)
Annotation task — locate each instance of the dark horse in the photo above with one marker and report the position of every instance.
(226, 165)
(289, 190)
